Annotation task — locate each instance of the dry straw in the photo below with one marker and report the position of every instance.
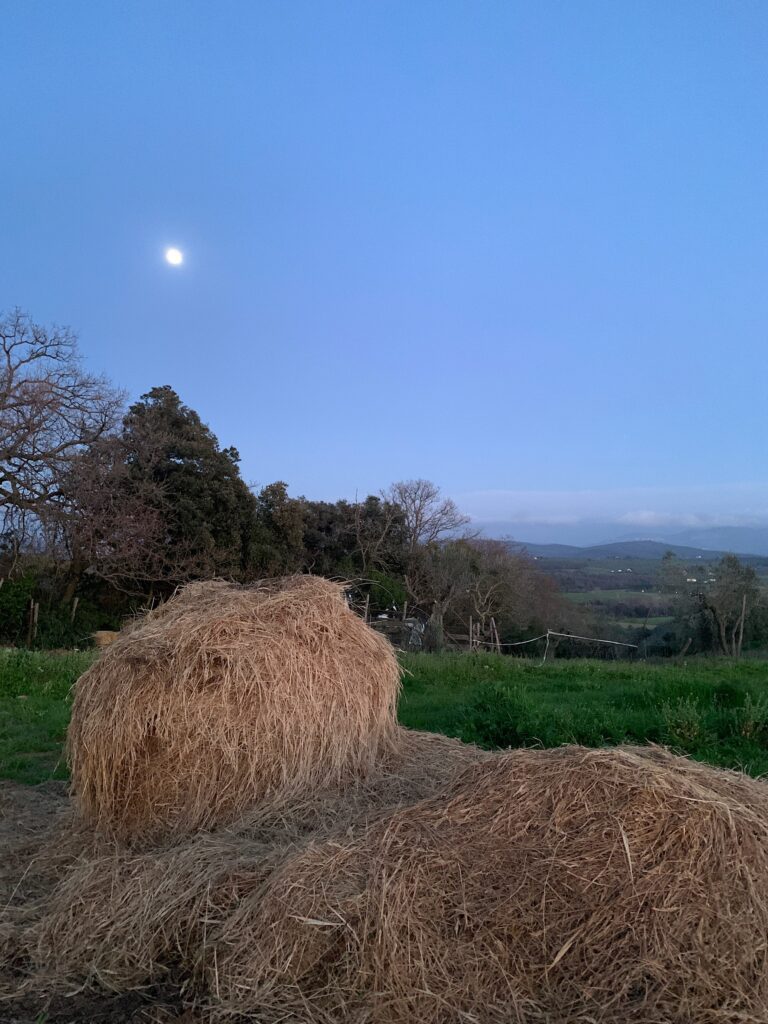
(556, 886)
(358, 873)
(227, 696)
(119, 918)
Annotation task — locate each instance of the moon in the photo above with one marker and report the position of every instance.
(174, 256)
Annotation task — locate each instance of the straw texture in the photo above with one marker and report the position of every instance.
(566, 885)
(224, 697)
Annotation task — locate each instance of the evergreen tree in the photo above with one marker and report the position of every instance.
(208, 511)
(279, 537)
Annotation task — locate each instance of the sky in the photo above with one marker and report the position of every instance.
(517, 248)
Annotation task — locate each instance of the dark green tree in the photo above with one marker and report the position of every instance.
(364, 540)
(329, 538)
(278, 546)
(208, 512)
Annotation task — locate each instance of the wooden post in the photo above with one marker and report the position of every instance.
(34, 620)
(496, 635)
(684, 648)
(405, 610)
(741, 623)
(470, 632)
(367, 604)
(30, 621)
(75, 603)
(546, 649)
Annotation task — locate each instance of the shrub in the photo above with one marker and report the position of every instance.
(751, 720)
(683, 723)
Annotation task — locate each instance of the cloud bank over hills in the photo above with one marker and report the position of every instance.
(731, 517)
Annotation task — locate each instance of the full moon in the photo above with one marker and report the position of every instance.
(174, 256)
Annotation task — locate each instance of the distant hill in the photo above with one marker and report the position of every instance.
(753, 539)
(647, 549)
(708, 541)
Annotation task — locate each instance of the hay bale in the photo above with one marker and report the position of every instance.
(566, 885)
(226, 696)
(120, 919)
(104, 637)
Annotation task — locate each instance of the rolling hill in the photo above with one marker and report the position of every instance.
(645, 549)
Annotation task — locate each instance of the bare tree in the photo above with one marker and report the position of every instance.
(379, 531)
(109, 524)
(495, 581)
(438, 576)
(428, 516)
(507, 587)
(728, 602)
(51, 410)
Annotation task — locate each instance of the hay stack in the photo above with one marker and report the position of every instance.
(121, 918)
(227, 696)
(568, 885)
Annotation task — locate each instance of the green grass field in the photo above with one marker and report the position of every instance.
(650, 622)
(636, 596)
(715, 710)
(34, 711)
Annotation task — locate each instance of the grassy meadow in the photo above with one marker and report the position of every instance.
(715, 710)
(34, 711)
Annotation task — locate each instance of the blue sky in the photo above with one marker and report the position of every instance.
(517, 248)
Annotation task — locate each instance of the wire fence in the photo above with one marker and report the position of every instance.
(497, 645)
(409, 634)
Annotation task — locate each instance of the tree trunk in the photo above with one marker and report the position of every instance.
(76, 569)
(434, 633)
(721, 633)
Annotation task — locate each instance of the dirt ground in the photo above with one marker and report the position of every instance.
(26, 813)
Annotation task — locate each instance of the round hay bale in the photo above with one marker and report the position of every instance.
(226, 696)
(567, 885)
(104, 637)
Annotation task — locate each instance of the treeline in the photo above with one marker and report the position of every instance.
(105, 510)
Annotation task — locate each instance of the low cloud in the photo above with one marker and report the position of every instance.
(593, 516)
(646, 517)
(725, 505)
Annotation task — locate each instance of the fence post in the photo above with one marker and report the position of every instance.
(546, 649)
